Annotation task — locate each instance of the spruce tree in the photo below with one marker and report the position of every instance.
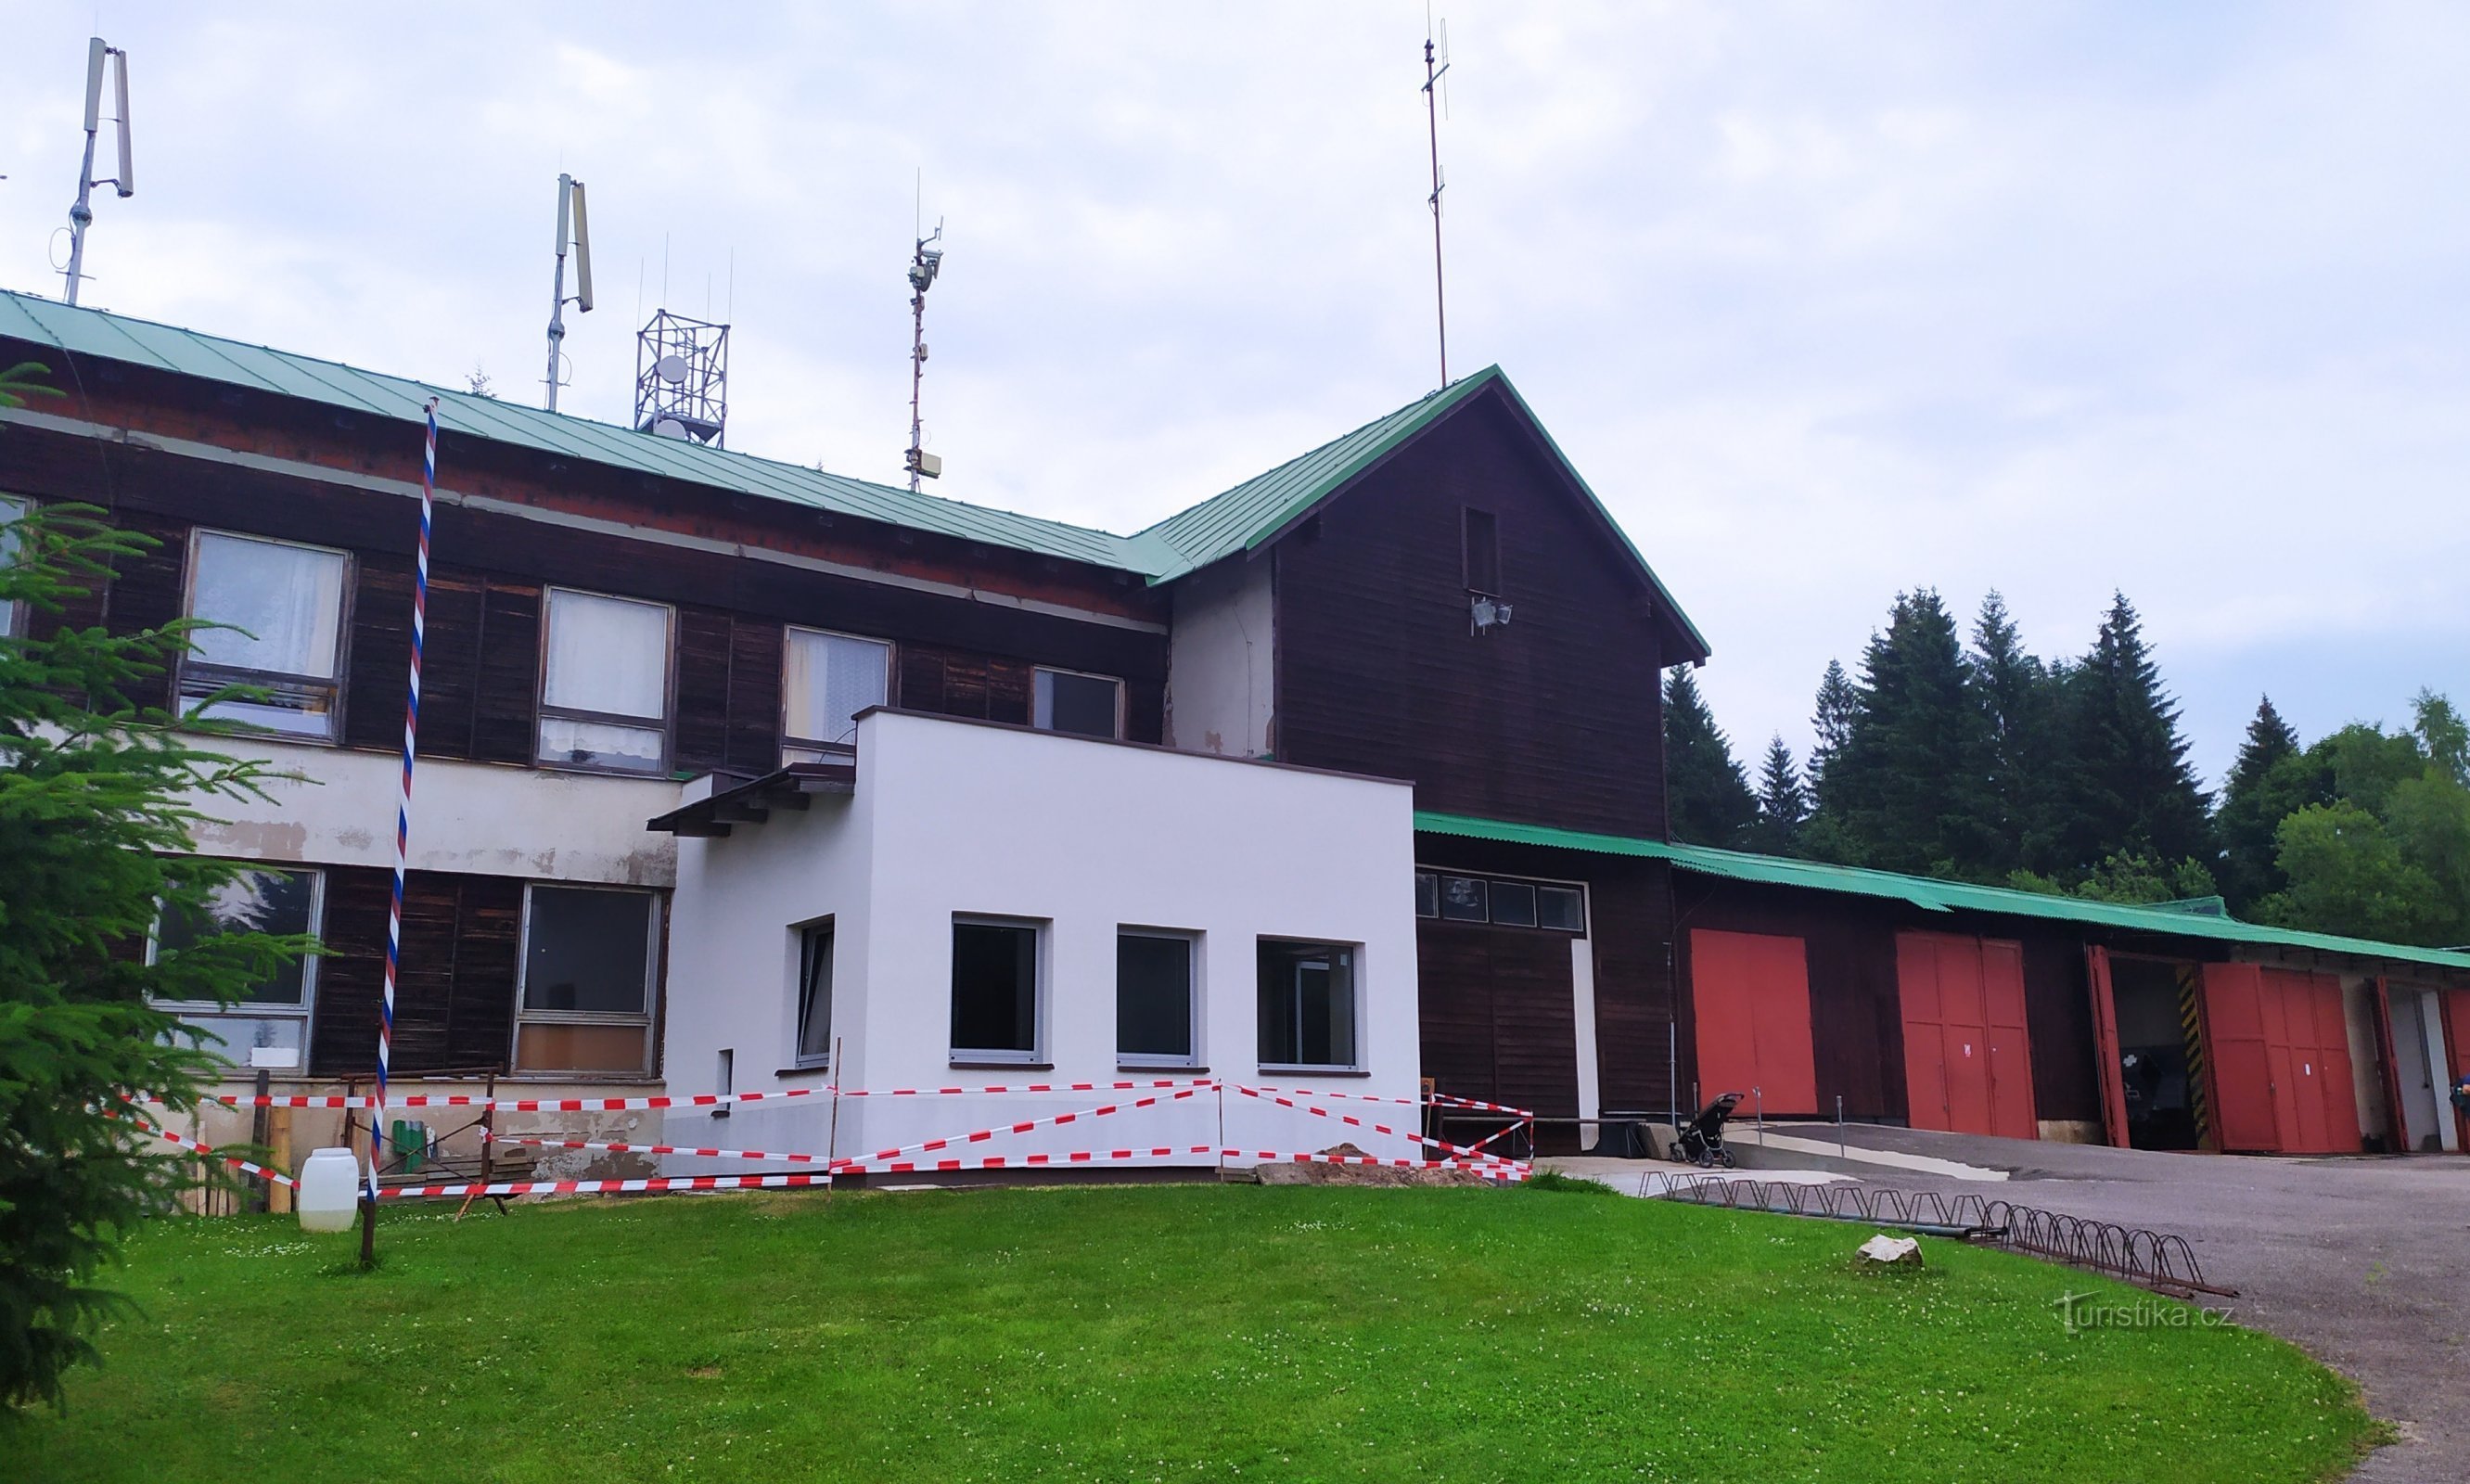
(2252, 809)
(2013, 687)
(1910, 787)
(1706, 799)
(1783, 803)
(1838, 702)
(2128, 783)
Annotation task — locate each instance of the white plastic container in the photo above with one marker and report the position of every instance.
(330, 1191)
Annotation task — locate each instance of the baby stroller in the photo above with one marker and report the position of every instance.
(1700, 1142)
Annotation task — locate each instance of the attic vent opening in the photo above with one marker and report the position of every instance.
(1481, 538)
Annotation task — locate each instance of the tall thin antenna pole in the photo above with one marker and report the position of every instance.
(82, 212)
(1432, 122)
(923, 264)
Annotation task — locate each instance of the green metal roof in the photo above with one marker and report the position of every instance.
(1934, 895)
(105, 335)
(1240, 519)
(1255, 511)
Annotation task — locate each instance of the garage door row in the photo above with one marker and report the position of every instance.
(2268, 1048)
(1968, 1067)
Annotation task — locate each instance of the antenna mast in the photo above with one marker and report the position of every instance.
(1432, 122)
(81, 215)
(923, 264)
(572, 227)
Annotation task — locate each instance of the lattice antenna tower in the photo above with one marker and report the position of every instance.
(82, 214)
(682, 380)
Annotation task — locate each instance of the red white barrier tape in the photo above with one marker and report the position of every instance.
(695, 1101)
(1444, 1099)
(748, 1182)
(1380, 1128)
(857, 1161)
(208, 1150)
(1022, 1161)
(1491, 1171)
(1315, 1092)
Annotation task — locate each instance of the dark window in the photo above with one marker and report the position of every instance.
(586, 981)
(1513, 904)
(1428, 894)
(1088, 705)
(1561, 908)
(994, 990)
(268, 1026)
(1482, 553)
(1153, 997)
(1307, 1005)
(1462, 899)
(815, 995)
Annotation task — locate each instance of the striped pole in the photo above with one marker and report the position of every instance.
(402, 838)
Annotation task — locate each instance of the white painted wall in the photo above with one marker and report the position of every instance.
(954, 816)
(1220, 690)
(489, 818)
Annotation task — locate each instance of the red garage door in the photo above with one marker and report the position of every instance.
(2280, 1060)
(1750, 992)
(1968, 1064)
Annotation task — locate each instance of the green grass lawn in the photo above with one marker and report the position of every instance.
(1145, 1333)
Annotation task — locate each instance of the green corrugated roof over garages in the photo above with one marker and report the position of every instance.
(102, 335)
(1931, 894)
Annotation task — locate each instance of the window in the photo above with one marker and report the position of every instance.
(995, 984)
(814, 995)
(1462, 899)
(826, 679)
(1088, 705)
(1482, 539)
(1307, 1005)
(1155, 999)
(605, 683)
(268, 1025)
(282, 611)
(586, 996)
(11, 511)
(1523, 904)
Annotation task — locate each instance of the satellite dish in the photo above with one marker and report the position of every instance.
(671, 369)
(669, 427)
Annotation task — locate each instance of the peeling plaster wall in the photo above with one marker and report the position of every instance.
(1221, 689)
(482, 817)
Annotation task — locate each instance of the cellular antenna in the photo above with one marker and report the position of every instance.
(923, 264)
(81, 215)
(574, 230)
(1435, 68)
(682, 380)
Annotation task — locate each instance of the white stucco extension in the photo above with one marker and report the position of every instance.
(1082, 838)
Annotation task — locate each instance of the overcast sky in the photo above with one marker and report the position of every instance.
(1826, 301)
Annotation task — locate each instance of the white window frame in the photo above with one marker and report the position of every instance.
(190, 668)
(1192, 940)
(1355, 989)
(203, 1013)
(666, 724)
(797, 749)
(1040, 968)
(1115, 680)
(798, 1056)
(649, 1019)
(13, 614)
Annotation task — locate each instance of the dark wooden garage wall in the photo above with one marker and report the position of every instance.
(1629, 902)
(1554, 719)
